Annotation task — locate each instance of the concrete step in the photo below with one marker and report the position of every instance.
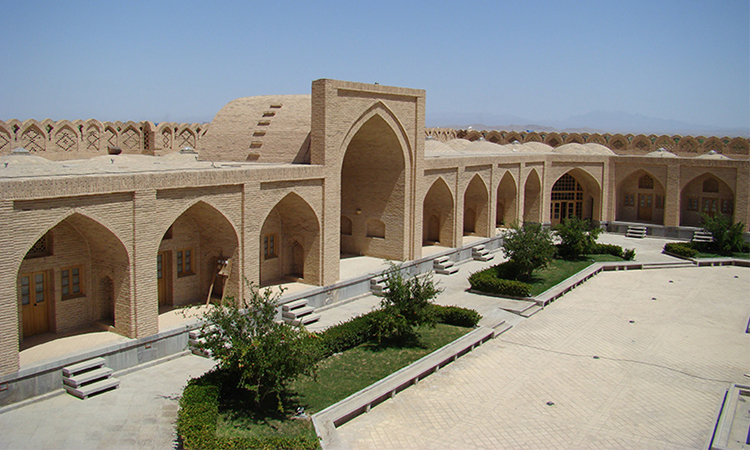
(531, 311)
(297, 312)
(442, 260)
(83, 366)
(304, 320)
(294, 305)
(447, 270)
(88, 390)
(87, 377)
(636, 232)
(502, 328)
(479, 253)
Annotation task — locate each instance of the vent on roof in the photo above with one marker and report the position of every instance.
(259, 133)
(256, 144)
(269, 114)
(275, 105)
(264, 122)
(253, 156)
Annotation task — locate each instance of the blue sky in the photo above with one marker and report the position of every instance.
(542, 60)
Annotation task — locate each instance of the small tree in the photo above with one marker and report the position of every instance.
(727, 236)
(406, 304)
(262, 355)
(529, 247)
(577, 236)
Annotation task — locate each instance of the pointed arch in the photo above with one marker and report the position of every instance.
(575, 193)
(375, 170)
(705, 194)
(59, 278)
(290, 242)
(438, 223)
(640, 198)
(476, 208)
(532, 203)
(507, 198)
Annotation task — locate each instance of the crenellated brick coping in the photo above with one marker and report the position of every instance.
(622, 144)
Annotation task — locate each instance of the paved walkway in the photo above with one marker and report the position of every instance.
(140, 414)
(661, 371)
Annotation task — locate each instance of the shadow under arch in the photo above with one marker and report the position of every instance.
(76, 275)
(705, 194)
(532, 201)
(198, 257)
(476, 208)
(290, 245)
(438, 223)
(375, 185)
(575, 193)
(640, 198)
(507, 198)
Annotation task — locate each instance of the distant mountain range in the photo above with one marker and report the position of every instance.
(593, 122)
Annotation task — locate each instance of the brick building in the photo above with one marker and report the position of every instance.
(107, 222)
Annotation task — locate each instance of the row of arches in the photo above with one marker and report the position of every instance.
(78, 272)
(640, 198)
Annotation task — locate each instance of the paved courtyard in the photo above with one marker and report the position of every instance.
(636, 359)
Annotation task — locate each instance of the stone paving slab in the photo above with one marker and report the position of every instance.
(656, 383)
(138, 415)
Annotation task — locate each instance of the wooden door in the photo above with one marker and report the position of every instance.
(645, 206)
(164, 277)
(34, 303)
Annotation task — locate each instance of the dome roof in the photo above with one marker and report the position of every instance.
(661, 153)
(583, 149)
(712, 154)
(433, 147)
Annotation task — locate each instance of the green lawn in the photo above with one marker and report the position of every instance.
(715, 255)
(338, 377)
(561, 269)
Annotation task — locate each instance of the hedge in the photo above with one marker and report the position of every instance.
(487, 281)
(681, 249)
(199, 413)
(199, 405)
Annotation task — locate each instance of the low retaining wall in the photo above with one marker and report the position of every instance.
(46, 378)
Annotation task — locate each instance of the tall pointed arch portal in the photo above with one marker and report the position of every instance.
(373, 186)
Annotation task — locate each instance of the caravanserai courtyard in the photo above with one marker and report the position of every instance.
(630, 359)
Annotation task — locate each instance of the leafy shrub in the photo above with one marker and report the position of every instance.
(578, 237)
(681, 249)
(608, 249)
(727, 236)
(487, 281)
(405, 305)
(456, 315)
(261, 354)
(530, 247)
(629, 254)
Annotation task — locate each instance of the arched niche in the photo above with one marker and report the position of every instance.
(438, 225)
(476, 208)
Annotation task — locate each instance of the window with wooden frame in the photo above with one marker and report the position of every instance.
(646, 182)
(727, 206)
(185, 262)
(659, 202)
(71, 282)
(629, 199)
(270, 242)
(692, 204)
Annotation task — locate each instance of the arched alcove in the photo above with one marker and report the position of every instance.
(437, 215)
(476, 208)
